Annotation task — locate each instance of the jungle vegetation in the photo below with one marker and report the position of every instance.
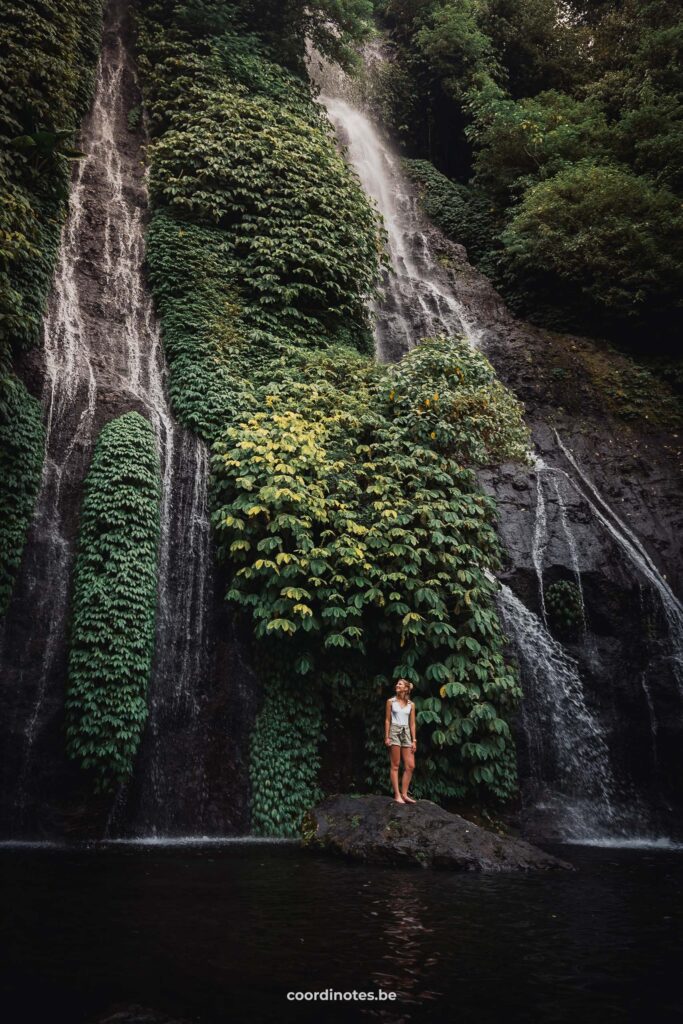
(344, 500)
(555, 131)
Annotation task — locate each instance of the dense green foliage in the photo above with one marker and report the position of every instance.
(114, 601)
(293, 235)
(563, 126)
(564, 604)
(607, 233)
(282, 26)
(332, 26)
(46, 59)
(251, 193)
(285, 756)
(21, 459)
(358, 543)
(460, 212)
(363, 548)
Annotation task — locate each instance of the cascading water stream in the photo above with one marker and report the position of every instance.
(103, 357)
(416, 301)
(632, 548)
(569, 757)
(627, 814)
(636, 555)
(540, 534)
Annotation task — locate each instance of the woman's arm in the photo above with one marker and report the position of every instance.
(387, 724)
(413, 733)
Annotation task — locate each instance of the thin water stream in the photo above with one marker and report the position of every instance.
(635, 553)
(571, 775)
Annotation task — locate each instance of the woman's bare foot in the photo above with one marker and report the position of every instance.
(408, 799)
(399, 799)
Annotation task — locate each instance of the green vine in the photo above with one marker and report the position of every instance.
(284, 757)
(238, 144)
(114, 602)
(22, 437)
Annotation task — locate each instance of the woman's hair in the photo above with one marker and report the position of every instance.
(406, 681)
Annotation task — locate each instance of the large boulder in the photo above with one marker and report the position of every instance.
(377, 830)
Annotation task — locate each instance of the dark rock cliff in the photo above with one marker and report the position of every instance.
(610, 518)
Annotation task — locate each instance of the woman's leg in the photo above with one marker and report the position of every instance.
(395, 757)
(408, 769)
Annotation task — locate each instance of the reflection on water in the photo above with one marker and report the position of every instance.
(409, 954)
(218, 933)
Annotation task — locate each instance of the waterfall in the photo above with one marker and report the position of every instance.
(568, 753)
(572, 779)
(416, 301)
(103, 356)
(629, 812)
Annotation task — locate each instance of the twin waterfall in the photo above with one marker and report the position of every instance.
(103, 357)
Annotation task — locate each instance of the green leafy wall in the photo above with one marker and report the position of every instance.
(363, 549)
(114, 601)
(344, 503)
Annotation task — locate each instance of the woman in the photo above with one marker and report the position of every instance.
(399, 736)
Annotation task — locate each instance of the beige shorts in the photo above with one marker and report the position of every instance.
(400, 736)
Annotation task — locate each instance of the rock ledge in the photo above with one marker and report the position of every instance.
(377, 830)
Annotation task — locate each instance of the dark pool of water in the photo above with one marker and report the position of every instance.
(222, 934)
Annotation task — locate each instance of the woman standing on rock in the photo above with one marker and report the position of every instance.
(399, 736)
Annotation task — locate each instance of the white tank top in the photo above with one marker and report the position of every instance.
(399, 715)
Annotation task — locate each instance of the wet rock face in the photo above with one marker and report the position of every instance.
(603, 509)
(377, 830)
